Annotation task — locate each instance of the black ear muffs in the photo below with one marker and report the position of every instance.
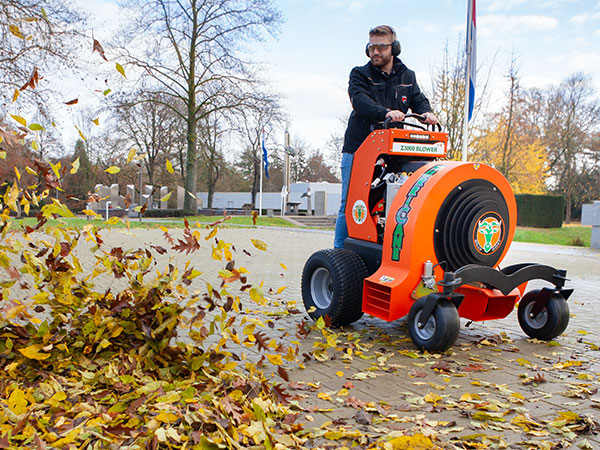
(396, 49)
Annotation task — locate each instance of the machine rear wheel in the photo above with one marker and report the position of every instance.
(441, 330)
(332, 283)
(550, 322)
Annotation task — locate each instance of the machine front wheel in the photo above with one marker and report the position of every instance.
(332, 285)
(550, 322)
(441, 330)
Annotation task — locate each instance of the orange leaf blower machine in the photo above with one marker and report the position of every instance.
(426, 237)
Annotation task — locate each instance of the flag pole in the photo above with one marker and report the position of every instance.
(466, 117)
(261, 183)
(470, 70)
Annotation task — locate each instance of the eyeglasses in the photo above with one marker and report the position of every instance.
(379, 47)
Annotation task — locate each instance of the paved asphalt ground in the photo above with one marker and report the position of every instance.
(511, 379)
(494, 387)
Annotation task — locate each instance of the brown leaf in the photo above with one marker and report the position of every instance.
(442, 366)
(355, 403)
(33, 80)
(72, 102)
(98, 48)
(261, 340)
(254, 217)
(282, 373)
(282, 396)
(475, 368)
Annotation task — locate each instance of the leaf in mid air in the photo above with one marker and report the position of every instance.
(113, 169)
(259, 244)
(75, 165)
(120, 69)
(98, 48)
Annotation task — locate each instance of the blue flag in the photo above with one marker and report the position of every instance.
(265, 160)
(471, 55)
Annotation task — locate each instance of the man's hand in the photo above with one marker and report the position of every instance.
(430, 118)
(395, 115)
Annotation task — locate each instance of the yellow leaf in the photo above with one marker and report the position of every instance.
(36, 127)
(17, 173)
(167, 417)
(89, 212)
(339, 373)
(30, 170)
(56, 169)
(283, 265)
(14, 29)
(275, 359)
(130, 155)
(68, 439)
(412, 442)
(75, 165)
(120, 69)
(2, 154)
(33, 352)
(96, 121)
(19, 119)
(80, 133)
(432, 397)
(565, 364)
(35, 146)
(166, 197)
(113, 169)
(194, 274)
(281, 289)
(169, 166)
(113, 220)
(467, 397)
(16, 95)
(17, 402)
(323, 396)
(259, 244)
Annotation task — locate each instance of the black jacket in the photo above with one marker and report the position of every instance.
(373, 92)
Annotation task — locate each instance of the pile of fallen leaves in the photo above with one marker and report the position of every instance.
(100, 365)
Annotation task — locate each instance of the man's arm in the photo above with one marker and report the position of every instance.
(360, 97)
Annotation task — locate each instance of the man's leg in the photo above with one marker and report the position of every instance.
(341, 229)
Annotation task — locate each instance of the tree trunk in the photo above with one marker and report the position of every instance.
(190, 204)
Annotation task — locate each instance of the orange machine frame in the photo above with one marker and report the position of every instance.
(387, 293)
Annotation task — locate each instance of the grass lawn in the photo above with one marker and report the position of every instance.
(576, 235)
(567, 235)
(167, 222)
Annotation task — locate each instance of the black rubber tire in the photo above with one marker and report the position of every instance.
(550, 322)
(441, 331)
(332, 283)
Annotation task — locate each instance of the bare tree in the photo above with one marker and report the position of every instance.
(259, 121)
(448, 99)
(210, 130)
(37, 38)
(193, 55)
(571, 118)
(512, 143)
(150, 126)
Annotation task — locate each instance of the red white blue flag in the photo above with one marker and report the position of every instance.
(264, 157)
(471, 55)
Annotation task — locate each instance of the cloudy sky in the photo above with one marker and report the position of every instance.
(321, 40)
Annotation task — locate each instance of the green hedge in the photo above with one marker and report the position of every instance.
(163, 213)
(540, 211)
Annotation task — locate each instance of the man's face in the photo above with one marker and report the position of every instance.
(380, 50)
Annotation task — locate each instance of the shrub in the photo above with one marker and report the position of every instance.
(540, 211)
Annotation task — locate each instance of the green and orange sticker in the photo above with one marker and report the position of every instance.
(488, 233)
